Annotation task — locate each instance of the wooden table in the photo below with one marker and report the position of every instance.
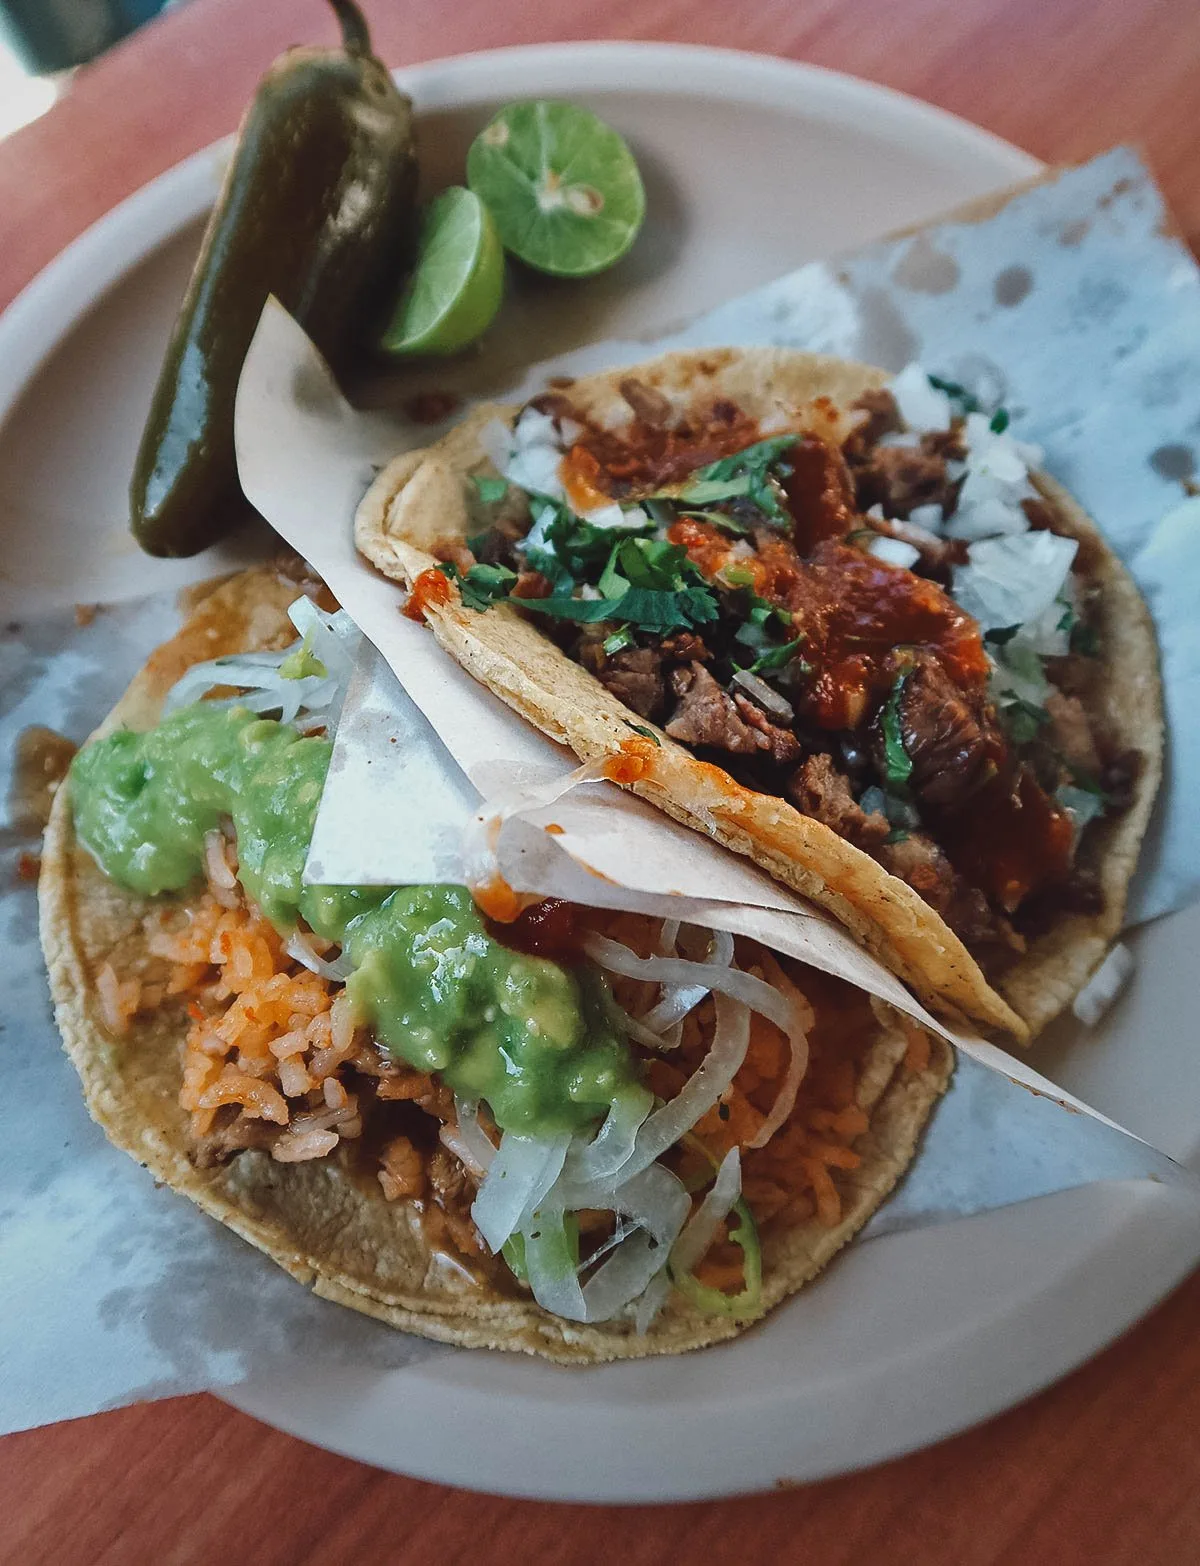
(1104, 1467)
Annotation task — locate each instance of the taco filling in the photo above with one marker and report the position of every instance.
(599, 1109)
(886, 625)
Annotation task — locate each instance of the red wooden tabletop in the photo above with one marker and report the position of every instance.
(1104, 1467)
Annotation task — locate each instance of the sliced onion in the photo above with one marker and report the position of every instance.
(656, 1204)
(701, 1228)
(771, 701)
(653, 1298)
(612, 1146)
(755, 993)
(479, 1145)
(678, 1000)
(523, 1170)
(695, 1098)
(301, 949)
(656, 1201)
(797, 1031)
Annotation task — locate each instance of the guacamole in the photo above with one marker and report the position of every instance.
(534, 1039)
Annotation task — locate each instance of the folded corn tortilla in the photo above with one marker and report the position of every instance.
(323, 1221)
(418, 505)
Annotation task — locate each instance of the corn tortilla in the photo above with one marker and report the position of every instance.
(330, 1228)
(419, 503)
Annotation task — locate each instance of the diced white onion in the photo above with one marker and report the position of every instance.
(922, 406)
(1102, 989)
(701, 1228)
(523, 1170)
(894, 551)
(1009, 581)
(928, 519)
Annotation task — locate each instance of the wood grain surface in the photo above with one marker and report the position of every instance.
(1105, 1467)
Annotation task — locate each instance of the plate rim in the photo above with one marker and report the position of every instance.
(53, 303)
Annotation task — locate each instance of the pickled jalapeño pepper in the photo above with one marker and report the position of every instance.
(318, 208)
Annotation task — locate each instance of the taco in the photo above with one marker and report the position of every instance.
(843, 627)
(584, 1135)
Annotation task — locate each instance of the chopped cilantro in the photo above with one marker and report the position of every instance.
(957, 393)
(490, 490)
(999, 421)
(640, 728)
(618, 641)
(745, 474)
(1002, 634)
(778, 657)
(482, 585)
(897, 762)
(477, 541)
(896, 835)
(1023, 720)
(643, 608)
(1067, 619)
(720, 519)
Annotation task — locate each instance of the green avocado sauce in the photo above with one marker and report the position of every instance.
(532, 1038)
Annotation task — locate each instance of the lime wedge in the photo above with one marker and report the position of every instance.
(458, 281)
(561, 185)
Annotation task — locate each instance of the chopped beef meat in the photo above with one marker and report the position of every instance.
(819, 790)
(650, 406)
(449, 1179)
(919, 861)
(900, 478)
(684, 647)
(531, 584)
(1071, 732)
(633, 675)
(706, 715)
(781, 744)
(231, 1133)
(952, 748)
(820, 493)
(882, 418)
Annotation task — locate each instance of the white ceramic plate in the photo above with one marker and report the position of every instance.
(753, 166)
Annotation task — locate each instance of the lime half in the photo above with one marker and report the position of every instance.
(561, 185)
(458, 281)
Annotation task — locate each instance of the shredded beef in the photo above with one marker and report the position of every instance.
(633, 675)
(1071, 732)
(706, 715)
(901, 478)
(918, 860)
(950, 745)
(780, 743)
(819, 790)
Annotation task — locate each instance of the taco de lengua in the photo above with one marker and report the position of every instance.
(849, 631)
(328, 1070)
